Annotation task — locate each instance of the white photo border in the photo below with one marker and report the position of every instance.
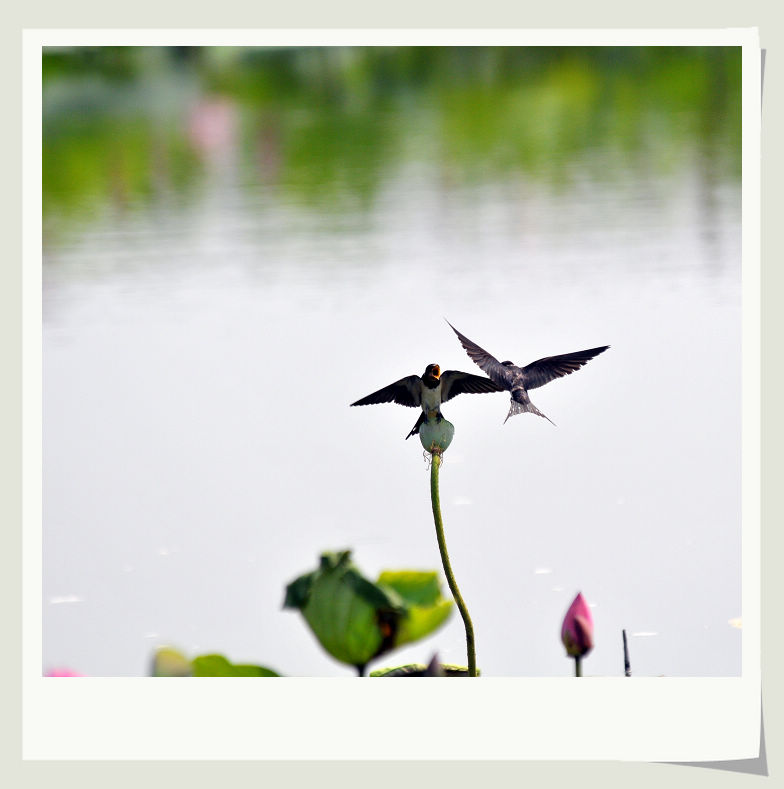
(646, 719)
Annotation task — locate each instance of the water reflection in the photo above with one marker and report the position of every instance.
(327, 126)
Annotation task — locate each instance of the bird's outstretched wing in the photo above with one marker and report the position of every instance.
(542, 371)
(406, 391)
(501, 374)
(453, 383)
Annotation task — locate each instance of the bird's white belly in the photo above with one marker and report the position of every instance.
(431, 399)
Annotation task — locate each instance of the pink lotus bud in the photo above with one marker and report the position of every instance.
(62, 672)
(577, 629)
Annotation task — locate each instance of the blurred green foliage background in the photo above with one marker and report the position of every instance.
(324, 125)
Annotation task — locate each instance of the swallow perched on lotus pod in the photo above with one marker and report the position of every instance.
(518, 380)
(429, 391)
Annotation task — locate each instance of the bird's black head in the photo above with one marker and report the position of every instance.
(432, 371)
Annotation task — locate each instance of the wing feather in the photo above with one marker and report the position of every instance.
(499, 373)
(453, 383)
(407, 391)
(542, 371)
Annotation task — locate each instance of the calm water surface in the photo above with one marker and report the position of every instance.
(204, 333)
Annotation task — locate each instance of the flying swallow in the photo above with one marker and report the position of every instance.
(518, 380)
(429, 391)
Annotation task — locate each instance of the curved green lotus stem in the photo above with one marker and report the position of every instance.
(450, 577)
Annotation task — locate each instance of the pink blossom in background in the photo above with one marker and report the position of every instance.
(63, 672)
(577, 629)
(212, 126)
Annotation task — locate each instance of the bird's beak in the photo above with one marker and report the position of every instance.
(436, 371)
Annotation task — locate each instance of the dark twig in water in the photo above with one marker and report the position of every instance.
(627, 668)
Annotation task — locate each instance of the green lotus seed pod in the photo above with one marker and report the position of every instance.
(436, 435)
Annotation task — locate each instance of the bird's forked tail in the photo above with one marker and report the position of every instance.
(415, 429)
(526, 407)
